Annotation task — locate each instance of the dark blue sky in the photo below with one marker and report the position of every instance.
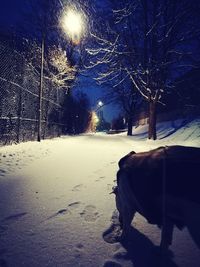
(11, 13)
(96, 93)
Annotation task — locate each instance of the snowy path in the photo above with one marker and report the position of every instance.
(54, 210)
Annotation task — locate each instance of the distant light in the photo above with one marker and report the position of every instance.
(100, 103)
(95, 118)
(93, 122)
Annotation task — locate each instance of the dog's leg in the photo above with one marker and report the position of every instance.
(125, 203)
(166, 235)
(126, 214)
(126, 218)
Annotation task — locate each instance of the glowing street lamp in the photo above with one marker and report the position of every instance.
(73, 24)
(100, 103)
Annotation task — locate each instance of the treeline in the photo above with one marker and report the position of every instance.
(76, 114)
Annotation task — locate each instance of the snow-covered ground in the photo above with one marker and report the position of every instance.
(56, 206)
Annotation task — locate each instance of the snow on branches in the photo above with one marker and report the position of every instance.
(60, 72)
(57, 67)
(148, 43)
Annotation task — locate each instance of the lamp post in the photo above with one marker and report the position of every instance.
(72, 24)
(41, 90)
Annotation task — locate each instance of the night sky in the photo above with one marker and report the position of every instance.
(96, 93)
(11, 14)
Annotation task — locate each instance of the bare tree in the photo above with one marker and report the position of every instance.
(149, 43)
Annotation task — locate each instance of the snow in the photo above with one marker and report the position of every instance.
(56, 208)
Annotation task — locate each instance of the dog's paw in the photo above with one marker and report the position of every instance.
(112, 234)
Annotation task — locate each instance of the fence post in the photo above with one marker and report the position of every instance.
(40, 91)
(19, 114)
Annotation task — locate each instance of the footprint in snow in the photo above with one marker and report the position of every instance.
(14, 217)
(74, 205)
(77, 187)
(60, 212)
(2, 172)
(65, 211)
(89, 213)
(100, 178)
(78, 250)
(79, 246)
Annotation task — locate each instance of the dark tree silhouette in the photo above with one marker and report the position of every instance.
(76, 115)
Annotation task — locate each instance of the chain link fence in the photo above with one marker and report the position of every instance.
(19, 98)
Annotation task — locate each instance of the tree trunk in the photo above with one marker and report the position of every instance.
(130, 125)
(152, 120)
